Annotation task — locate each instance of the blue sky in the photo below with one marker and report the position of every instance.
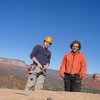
(25, 23)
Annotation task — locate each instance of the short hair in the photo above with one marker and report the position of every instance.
(75, 42)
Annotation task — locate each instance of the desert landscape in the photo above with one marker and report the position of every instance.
(13, 81)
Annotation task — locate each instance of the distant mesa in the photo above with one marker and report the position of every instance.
(12, 61)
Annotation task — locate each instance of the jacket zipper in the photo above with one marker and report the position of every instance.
(72, 64)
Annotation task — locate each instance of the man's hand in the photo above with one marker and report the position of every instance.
(37, 62)
(40, 66)
(62, 76)
(45, 66)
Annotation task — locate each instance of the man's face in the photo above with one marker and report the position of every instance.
(47, 44)
(75, 47)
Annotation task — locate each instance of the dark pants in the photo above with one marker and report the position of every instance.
(72, 82)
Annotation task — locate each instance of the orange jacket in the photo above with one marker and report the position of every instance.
(73, 64)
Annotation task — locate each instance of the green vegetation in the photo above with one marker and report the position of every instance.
(90, 91)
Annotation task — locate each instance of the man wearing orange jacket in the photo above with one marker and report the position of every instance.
(73, 68)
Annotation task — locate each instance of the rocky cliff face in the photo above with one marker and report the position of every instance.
(95, 77)
(92, 81)
(12, 61)
(12, 67)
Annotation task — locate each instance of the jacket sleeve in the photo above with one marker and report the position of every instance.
(62, 68)
(83, 67)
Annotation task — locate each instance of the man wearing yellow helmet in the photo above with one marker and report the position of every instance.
(40, 56)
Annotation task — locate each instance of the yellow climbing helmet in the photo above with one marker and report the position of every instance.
(48, 39)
